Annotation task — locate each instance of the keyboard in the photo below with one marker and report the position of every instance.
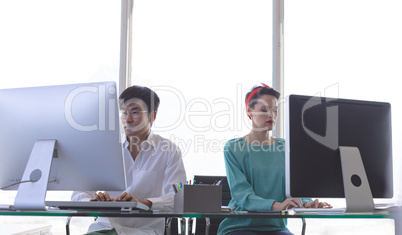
(378, 207)
(384, 205)
(96, 205)
(319, 210)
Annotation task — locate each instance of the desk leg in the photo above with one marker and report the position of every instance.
(182, 226)
(193, 226)
(168, 228)
(207, 225)
(304, 226)
(186, 226)
(179, 226)
(398, 224)
(68, 225)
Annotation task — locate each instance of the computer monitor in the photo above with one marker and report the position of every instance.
(64, 137)
(339, 148)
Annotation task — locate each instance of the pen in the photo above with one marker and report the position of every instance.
(174, 188)
(219, 182)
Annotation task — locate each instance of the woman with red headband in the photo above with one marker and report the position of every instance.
(255, 168)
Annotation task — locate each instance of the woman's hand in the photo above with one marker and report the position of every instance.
(317, 204)
(287, 204)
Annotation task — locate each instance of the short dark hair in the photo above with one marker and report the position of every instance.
(262, 91)
(148, 96)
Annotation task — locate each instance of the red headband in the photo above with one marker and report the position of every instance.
(252, 93)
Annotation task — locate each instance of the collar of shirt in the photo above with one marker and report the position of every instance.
(150, 141)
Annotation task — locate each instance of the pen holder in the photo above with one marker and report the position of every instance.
(198, 198)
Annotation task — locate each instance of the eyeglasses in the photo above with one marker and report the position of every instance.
(133, 113)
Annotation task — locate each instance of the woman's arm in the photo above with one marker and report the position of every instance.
(241, 190)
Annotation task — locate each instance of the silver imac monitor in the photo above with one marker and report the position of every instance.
(64, 137)
(339, 148)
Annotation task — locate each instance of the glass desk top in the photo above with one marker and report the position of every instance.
(389, 213)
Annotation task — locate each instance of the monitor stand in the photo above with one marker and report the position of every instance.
(31, 195)
(357, 189)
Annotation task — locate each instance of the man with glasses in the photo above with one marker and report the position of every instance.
(153, 164)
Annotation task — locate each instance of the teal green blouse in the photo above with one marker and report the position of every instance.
(256, 177)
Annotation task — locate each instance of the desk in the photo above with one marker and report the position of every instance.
(395, 214)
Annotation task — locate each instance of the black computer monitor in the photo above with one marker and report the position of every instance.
(320, 132)
(64, 137)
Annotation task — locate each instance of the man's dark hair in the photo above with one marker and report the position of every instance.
(263, 91)
(148, 96)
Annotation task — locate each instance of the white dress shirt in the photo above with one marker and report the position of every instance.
(157, 167)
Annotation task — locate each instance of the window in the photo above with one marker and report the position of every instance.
(48, 42)
(45, 42)
(202, 57)
(347, 49)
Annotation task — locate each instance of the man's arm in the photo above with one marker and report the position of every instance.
(82, 196)
(174, 173)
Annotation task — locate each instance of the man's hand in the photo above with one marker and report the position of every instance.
(99, 196)
(317, 204)
(128, 197)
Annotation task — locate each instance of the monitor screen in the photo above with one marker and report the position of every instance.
(83, 119)
(315, 129)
